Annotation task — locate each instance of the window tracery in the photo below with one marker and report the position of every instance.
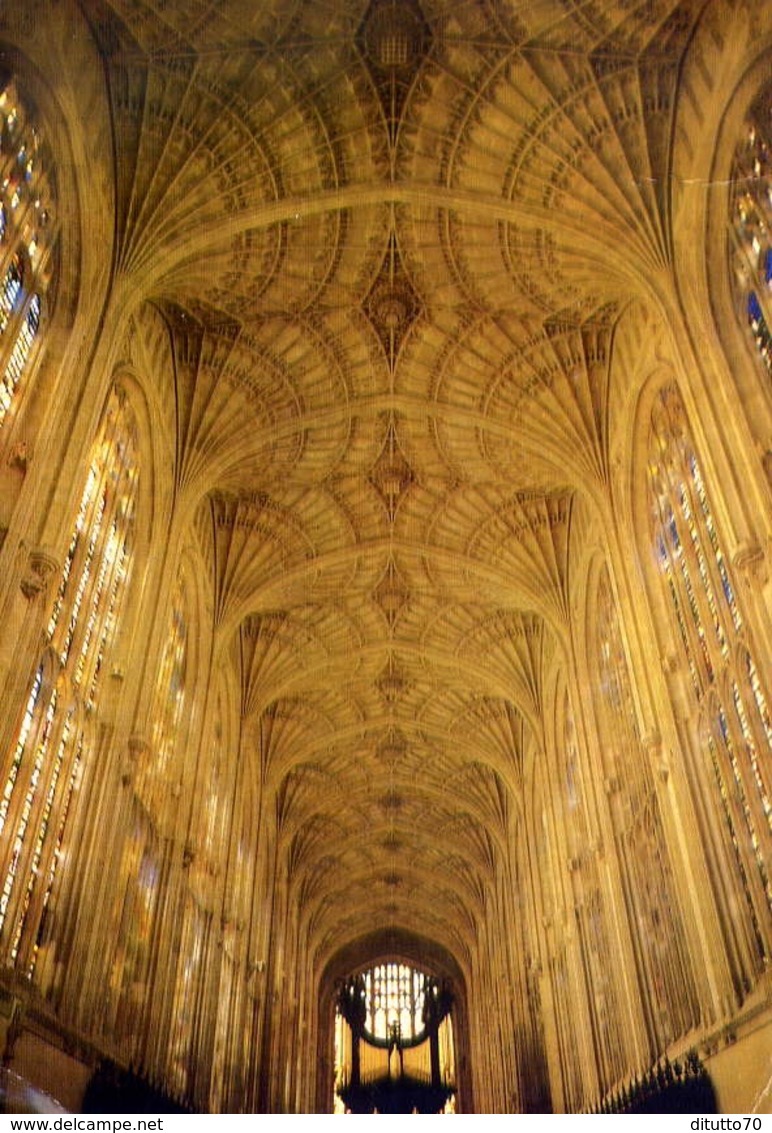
(236, 973)
(146, 861)
(751, 215)
(52, 739)
(186, 996)
(646, 871)
(591, 912)
(565, 999)
(209, 824)
(171, 684)
(394, 1041)
(137, 899)
(26, 238)
(159, 775)
(223, 1029)
(533, 1067)
(726, 686)
(203, 870)
(559, 962)
(394, 998)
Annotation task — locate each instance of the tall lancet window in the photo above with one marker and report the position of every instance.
(26, 233)
(751, 206)
(136, 895)
(187, 992)
(726, 683)
(42, 770)
(201, 908)
(646, 871)
(155, 807)
(548, 876)
(591, 912)
(160, 775)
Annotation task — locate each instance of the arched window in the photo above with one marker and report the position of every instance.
(237, 907)
(154, 801)
(159, 774)
(394, 1037)
(137, 896)
(548, 875)
(26, 236)
(223, 1030)
(44, 765)
(170, 699)
(649, 889)
(725, 681)
(187, 994)
(209, 823)
(751, 215)
(394, 1001)
(215, 825)
(591, 912)
(201, 908)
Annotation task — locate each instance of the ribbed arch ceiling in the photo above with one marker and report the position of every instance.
(384, 245)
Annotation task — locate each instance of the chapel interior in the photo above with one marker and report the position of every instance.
(385, 514)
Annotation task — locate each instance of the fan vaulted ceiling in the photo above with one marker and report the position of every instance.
(391, 240)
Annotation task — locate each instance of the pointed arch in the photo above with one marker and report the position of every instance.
(27, 242)
(750, 219)
(646, 874)
(55, 734)
(700, 614)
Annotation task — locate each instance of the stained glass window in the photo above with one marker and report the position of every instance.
(210, 823)
(751, 211)
(137, 898)
(44, 766)
(159, 775)
(204, 873)
(394, 1035)
(26, 239)
(394, 999)
(565, 1009)
(726, 685)
(549, 875)
(186, 997)
(147, 857)
(171, 686)
(591, 913)
(649, 888)
(223, 1030)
